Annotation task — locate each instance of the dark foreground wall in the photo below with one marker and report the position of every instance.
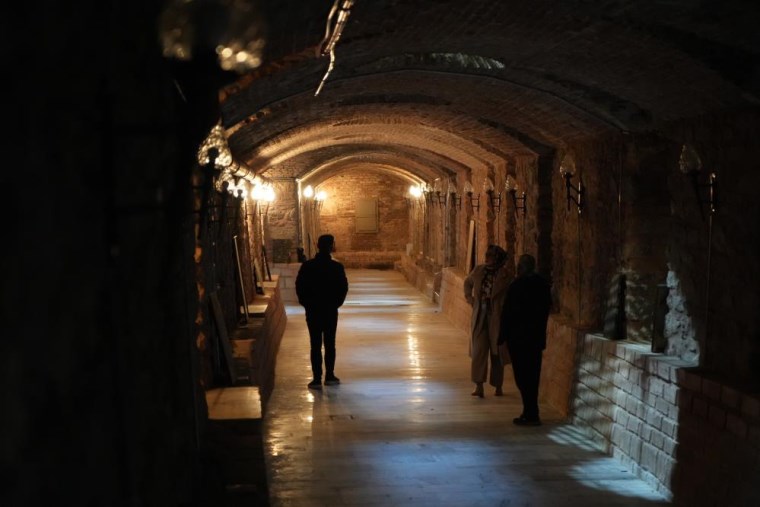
(99, 378)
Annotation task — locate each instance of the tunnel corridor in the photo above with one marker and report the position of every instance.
(170, 164)
(402, 429)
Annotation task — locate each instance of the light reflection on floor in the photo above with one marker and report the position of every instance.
(402, 428)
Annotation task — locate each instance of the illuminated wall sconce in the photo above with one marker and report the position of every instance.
(414, 194)
(263, 192)
(440, 196)
(429, 194)
(319, 200)
(454, 199)
(691, 165)
(472, 200)
(494, 198)
(314, 199)
(510, 185)
(574, 194)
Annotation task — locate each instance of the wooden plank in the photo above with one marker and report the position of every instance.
(224, 339)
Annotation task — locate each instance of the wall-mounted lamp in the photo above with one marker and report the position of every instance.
(454, 198)
(440, 195)
(319, 200)
(262, 192)
(472, 200)
(314, 199)
(494, 197)
(691, 165)
(429, 194)
(414, 194)
(520, 202)
(574, 194)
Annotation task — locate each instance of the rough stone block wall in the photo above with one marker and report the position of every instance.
(591, 236)
(287, 281)
(727, 145)
(687, 435)
(282, 216)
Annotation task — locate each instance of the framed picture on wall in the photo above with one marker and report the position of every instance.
(366, 215)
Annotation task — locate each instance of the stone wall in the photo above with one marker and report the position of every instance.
(558, 372)
(453, 303)
(369, 260)
(714, 261)
(718, 434)
(286, 274)
(689, 436)
(626, 399)
(337, 216)
(418, 275)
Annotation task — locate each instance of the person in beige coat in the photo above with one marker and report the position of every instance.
(485, 289)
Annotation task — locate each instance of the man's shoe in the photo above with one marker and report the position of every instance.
(315, 384)
(332, 380)
(499, 392)
(523, 421)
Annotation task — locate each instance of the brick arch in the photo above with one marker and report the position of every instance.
(299, 151)
(444, 142)
(445, 99)
(336, 167)
(248, 136)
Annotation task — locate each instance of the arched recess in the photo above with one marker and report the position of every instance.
(374, 238)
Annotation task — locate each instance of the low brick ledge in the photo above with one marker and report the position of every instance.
(666, 419)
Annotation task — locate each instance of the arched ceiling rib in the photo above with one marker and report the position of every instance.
(435, 164)
(402, 137)
(502, 78)
(544, 118)
(337, 167)
(426, 169)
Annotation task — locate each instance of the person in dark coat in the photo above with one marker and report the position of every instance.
(321, 286)
(523, 329)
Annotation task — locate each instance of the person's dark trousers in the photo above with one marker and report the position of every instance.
(322, 326)
(526, 365)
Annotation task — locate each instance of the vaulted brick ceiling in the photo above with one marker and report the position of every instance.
(437, 87)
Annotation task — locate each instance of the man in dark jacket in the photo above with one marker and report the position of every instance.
(321, 286)
(523, 329)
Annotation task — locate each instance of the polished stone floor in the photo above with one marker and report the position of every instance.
(402, 428)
